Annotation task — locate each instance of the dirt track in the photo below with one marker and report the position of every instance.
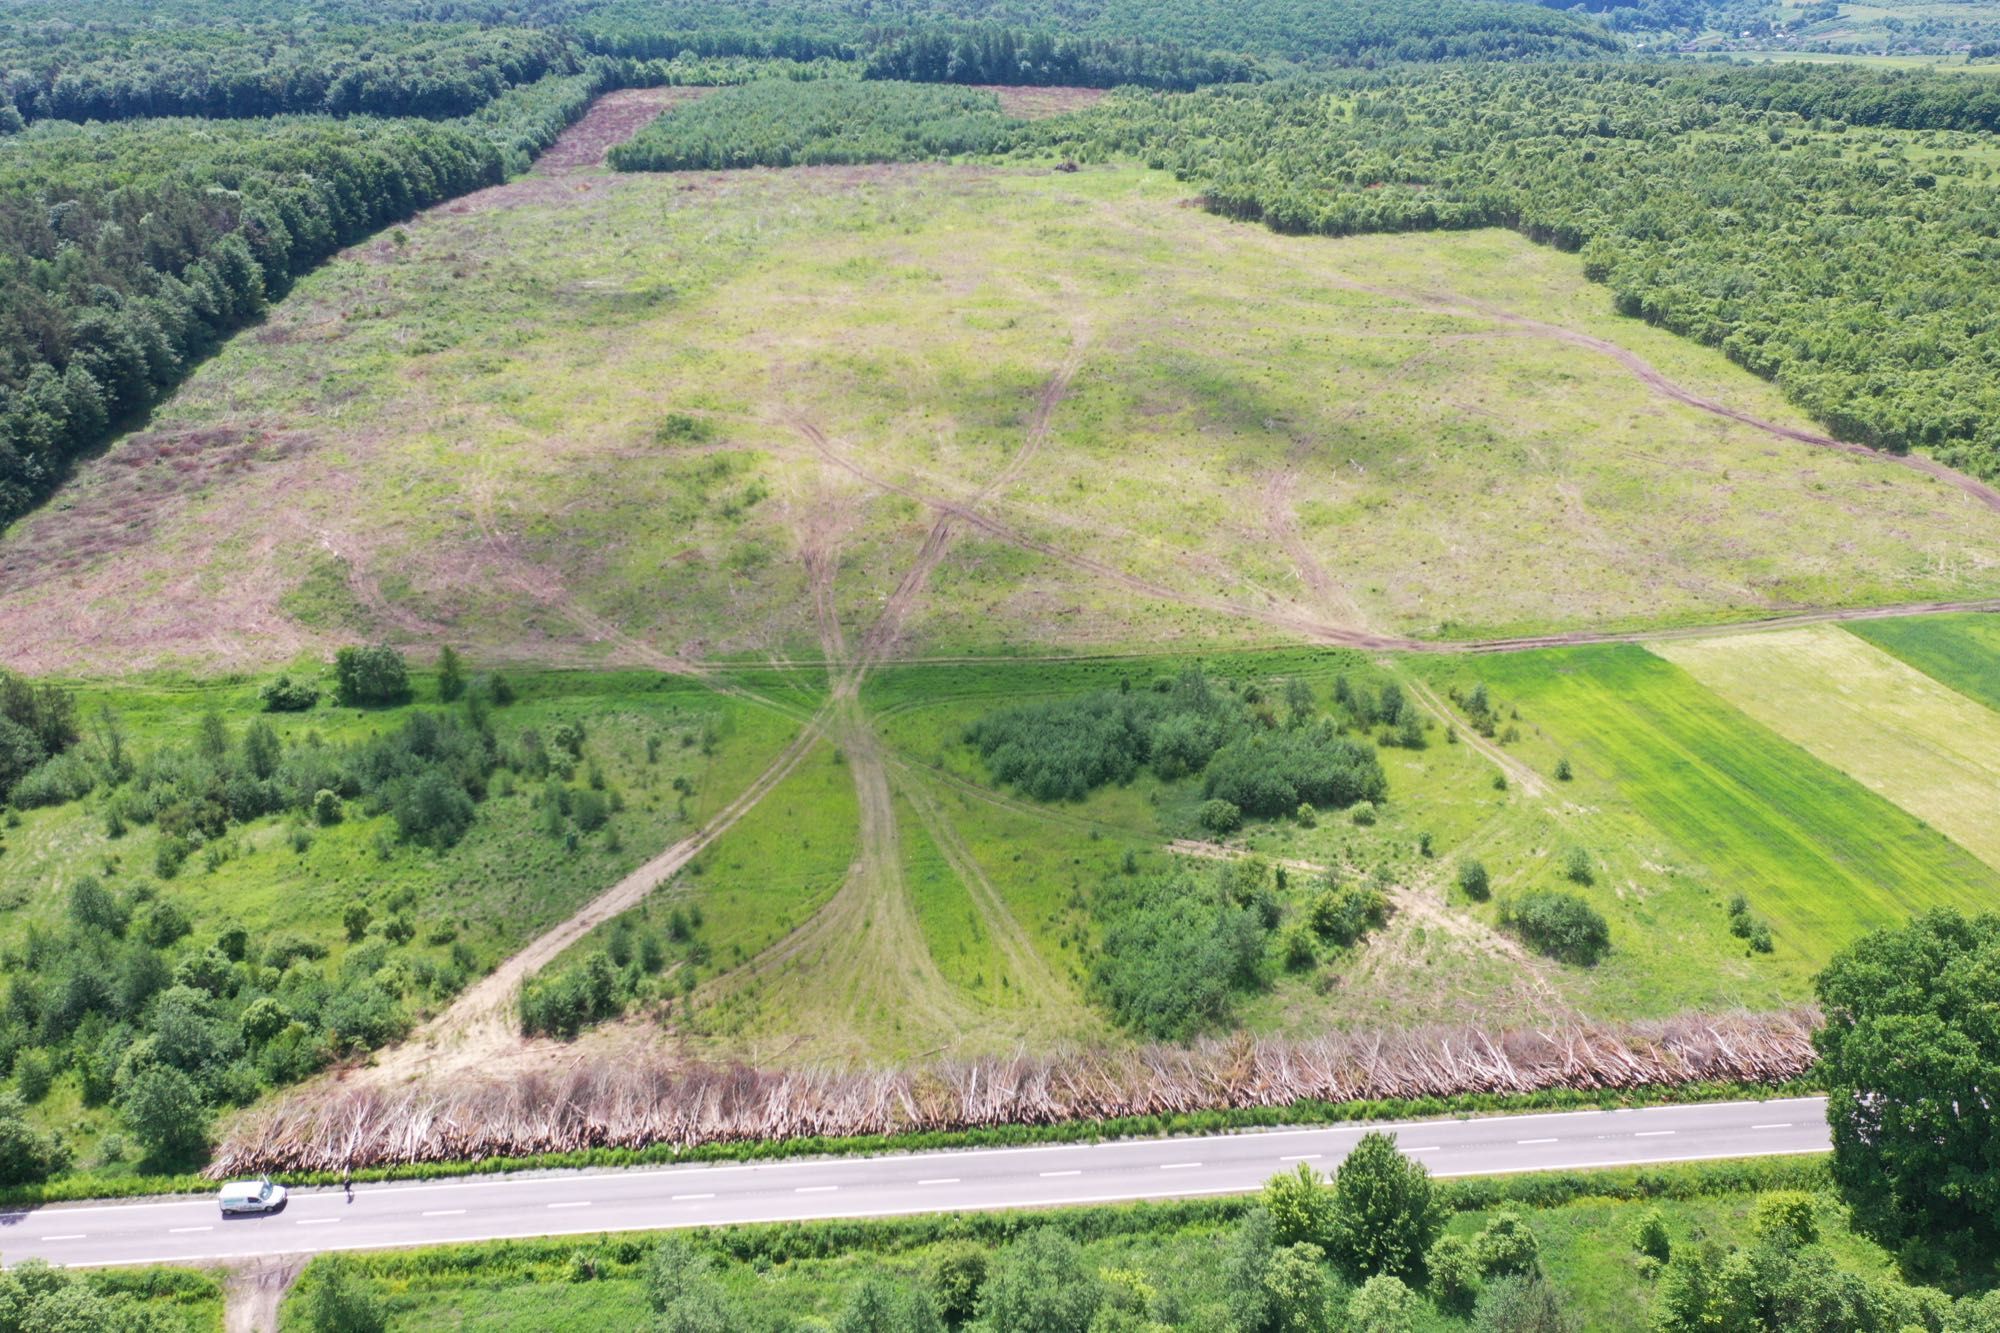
(872, 909)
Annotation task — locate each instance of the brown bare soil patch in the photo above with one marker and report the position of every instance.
(611, 120)
(1026, 103)
(127, 500)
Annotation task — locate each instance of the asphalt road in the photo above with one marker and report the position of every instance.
(186, 1230)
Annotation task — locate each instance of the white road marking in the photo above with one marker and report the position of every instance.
(689, 1198)
(1652, 1133)
(445, 1212)
(1782, 1125)
(75, 1235)
(815, 1189)
(1306, 1157)
(1180, 1166)
(940, 1180)
(1525, 1142)
(1435, 1147)
(1062, 1173)
(584, 1204)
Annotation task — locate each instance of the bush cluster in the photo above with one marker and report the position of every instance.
(1558, 924)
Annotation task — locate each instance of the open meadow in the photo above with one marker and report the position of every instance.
(649, 419)
(963, 612)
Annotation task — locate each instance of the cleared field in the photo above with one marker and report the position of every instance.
(1743, 809)
(646, 419)
(1962, 652)
(1930, 750)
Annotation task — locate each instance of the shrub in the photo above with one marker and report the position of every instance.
(1300, 1206)
(1041, 1284)
(1219, 817)
(337, 1299)
(1385, 1214)
(57, 780)
(1576, 866)
(1295, 948)
(1295, 1284)
(1173, 953)
(684, 1292)
(1454, 1274)
(1561, 925)
(1747, 927)
(1519, 1305)
(354, 919)
(162, 923)
(1269, 774)
(1473, 879)
(1563, 771)
(589, 809)
(284, 695)
(563, 1004)
(1382, 1304)
(1342, 916)
(1506, 1247)
(26, 1155)
(451, 674)
(1364, 814)
(371, 676)
(958, 1271)
(432, 809)
(1785, 1217)
(1650, 1237)
(34, 1071)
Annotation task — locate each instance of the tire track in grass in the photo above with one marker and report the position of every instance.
(476, 1027)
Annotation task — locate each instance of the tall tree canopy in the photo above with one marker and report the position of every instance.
(1911, 1057)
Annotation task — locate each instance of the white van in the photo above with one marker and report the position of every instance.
(251, 1196)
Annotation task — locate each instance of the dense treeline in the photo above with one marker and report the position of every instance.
(432, 71)
(1848, 265)
(783, 123)
(131, 250)
(1162, 43)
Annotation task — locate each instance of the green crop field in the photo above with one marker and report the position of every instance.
(1901, 734)
(1730, 805)
(1962, 652)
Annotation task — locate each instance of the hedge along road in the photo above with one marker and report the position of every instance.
(644, 1199)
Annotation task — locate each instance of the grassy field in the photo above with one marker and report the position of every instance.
(1721, 804)
(626, 419)
(1931, 751)
(1680, 796)
(1175, 1254)
(1962, 652)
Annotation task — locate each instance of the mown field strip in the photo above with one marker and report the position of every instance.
(1821, 854)
(1928, 748)
(1959, 651)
